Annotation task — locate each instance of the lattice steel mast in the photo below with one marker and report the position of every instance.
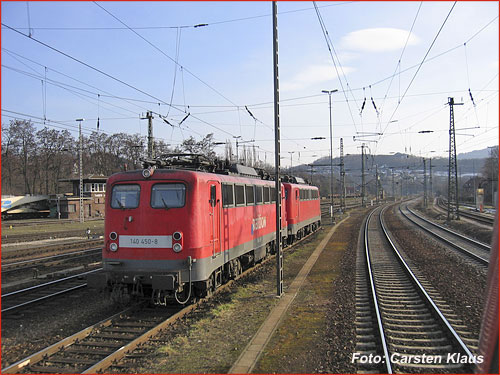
(452, 168)
(342, 176)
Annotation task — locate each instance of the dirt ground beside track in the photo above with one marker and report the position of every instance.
(317, 331)
(317, 334)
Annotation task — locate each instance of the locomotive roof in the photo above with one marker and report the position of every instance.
(192, 175)
(199, 163)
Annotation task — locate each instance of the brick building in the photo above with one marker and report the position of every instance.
(67, 206)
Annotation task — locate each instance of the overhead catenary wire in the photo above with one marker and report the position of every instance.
(285, 99)
(330, 48)
(72, 89)
(436, 56)
(93, 93)
(193, 26)
(98, 90)
(398, 65)
(106, 74)
(420, 65)
(179, 115)
(468, 82)
(270, 102)
(177, 49)
(67, 125)
(166, 55)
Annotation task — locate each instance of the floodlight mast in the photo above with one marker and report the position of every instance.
(80, 151)
(330, 92)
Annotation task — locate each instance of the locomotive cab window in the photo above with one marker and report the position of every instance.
(273, 195)
(168, 195)
(125, 196)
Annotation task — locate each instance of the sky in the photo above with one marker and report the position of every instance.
(117, 60)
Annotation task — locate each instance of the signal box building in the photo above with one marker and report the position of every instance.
(67, 206)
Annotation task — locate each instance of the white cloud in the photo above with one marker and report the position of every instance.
(312, 75)
(378, 39)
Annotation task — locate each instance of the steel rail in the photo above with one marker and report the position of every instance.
(477, 243)
(123, 351)
(443, 319)
(42, 286)
(48, 258)
(477, 217)
(50, 283)
(105, 363)
(40, 299)
(375, 299)
(448, 242)
(54, 348)
(13, 251)
(471, 215)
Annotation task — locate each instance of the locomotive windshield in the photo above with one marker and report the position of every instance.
(125, 196)
(168, 196)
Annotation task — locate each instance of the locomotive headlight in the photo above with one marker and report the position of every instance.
(113, 246)
(177, 247)
(113, 236)
(177, 236)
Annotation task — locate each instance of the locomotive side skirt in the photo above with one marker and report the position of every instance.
(293, 228)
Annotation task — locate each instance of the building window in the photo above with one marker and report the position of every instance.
(71, 207)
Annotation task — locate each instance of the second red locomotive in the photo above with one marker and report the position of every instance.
(173, 230)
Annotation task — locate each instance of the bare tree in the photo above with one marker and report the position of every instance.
(10, 145)
(24, 132)
(204, 147)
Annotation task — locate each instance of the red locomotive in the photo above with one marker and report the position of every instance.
(302, 208)
(182, 227)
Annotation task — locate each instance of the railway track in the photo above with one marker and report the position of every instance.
(96, 347)
(47, 261)
(14, 301)
(402, 324)
(102, 345)
(28, 237)
(11, 253)
(480, 218)
(36, 222)
(471, 248)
